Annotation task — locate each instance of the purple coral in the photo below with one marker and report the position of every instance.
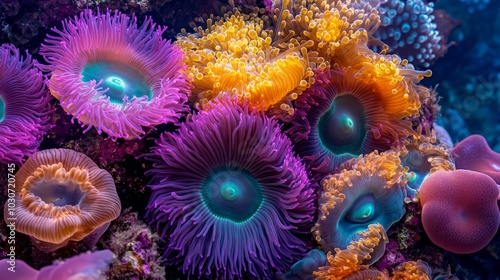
(115, 76)
(24, 106)
(229, 196)
(408, 28)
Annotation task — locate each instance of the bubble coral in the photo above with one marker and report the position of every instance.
(352, 262)
(236, 54)
(473, 153)
(59, 197)
(342, 116)
(368, 190)
(115, 76)
(459, 210)
(89, 266)
(409, 29)
(24, 106)
(229, 196)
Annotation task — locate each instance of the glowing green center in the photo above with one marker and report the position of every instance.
(233, 194)
(229, 191)
(363, 210)
(341, 129)
(119, 79)
(419, 166)
(2, 109)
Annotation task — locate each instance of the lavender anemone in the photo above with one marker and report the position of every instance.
(115, 76)
(229, 196)
(24, 106)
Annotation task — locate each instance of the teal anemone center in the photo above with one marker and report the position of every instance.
(341, 129)
(419, 166)
(2, 109)
(120, 79)
(233, 194)
(363, 210)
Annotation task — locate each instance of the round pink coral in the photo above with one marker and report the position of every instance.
(459, 210)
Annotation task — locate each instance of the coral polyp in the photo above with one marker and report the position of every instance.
(115, 76)
(229, 196)
(24, 106)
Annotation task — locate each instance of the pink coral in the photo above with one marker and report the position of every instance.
(459, 210)
(473, 153)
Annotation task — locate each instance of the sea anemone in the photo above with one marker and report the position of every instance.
(356, 258)
(90, 266)
(422, 156)
(342, 116)
(236, 54)
(229, 196)
(24, 106)
(368, 190)
(328, 24)
(412, 270)
(59, 197)
(115, 76)
(459, 210)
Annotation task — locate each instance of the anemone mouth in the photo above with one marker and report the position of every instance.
(419, 167)
(363, 210)
(122, 81)
(231, 193)
(2, 109)
(56, 186)
(342, 128)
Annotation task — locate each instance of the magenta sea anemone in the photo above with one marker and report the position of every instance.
(229, 196)
(24, 106)
(115, 76)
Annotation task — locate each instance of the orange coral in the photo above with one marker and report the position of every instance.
(412, 270)
(350, 261)
(237, 54)
(329, 24)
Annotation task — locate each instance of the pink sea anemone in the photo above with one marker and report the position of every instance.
(459, 210)
(24, 106)
(89, 266)
(115, 76)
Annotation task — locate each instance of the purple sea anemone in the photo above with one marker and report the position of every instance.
(229, 196)
(115, 76)
(84, 266)
(24, 106)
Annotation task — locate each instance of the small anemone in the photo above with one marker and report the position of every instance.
(422, 156)
(230, 198)
(115, 76)
(368, 190)
(60, 196)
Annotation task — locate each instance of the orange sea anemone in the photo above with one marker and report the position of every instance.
(412, 270)
(60, 196)
(353, 260)
(328, 23)
(236, 54)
